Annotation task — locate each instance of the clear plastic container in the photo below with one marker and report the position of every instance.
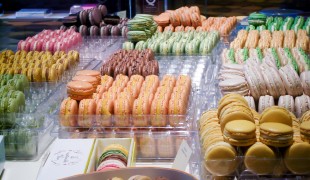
(26, 135)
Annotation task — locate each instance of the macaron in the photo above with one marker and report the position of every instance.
(68, 112)
(79, 90)
(305, 131)
(250, 101)
(87, 108)
(276, 114)
(276, 134)
(305, 81)
(240, 133)
(95, 16)
(302, 104)
(287, 102)
(93, 73)
(239, 86)
(220, 159)
(265, 102)
(90, 79)
(291, 80)
(297, 158)
(261, 159)
(305, 117)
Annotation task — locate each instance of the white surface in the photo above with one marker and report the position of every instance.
(21, 170)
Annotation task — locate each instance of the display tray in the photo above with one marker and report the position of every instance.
(99, 47)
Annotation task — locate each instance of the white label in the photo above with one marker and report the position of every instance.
(182, 157)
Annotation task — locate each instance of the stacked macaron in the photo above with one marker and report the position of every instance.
(276, 39)
(277, 57)
(222, 24)
(114, 156)
(48, 40)
(12, 98)
(38, 66)
(179, 43)
(261, 79)
(275, 129)
(95, 22)
(131, 62)
(260, 22)
(123, 97)
(141, 27)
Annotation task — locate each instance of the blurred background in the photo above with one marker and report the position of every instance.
(207, 7)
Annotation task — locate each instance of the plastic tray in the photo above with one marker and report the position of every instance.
(99, 47)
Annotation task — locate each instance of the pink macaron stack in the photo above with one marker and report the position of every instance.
(52, 41)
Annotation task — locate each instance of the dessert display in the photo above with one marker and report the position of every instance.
(97, 22)
(141, 27)
(52, 41)
(234, 124)
(43, 66)
(266, 39)
(179, 43)
(131, 62)
(124, 96)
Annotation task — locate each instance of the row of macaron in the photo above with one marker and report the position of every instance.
(39, 67)
(141, 27)
(267, 39)
(51, 40)
(260, 21)
(125, 96)
(178, 43)
(261, 79)
(18, 82)
(297, 106)
(296, 57)
(11, 100)
(130, 62)
(235, 124)
(150, 144)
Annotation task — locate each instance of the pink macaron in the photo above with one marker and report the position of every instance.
(265, 102)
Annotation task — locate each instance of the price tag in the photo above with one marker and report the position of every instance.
(182, 157)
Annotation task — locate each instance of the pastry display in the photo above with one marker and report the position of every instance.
(131, 62)
(126, 96)
(179, 43)
(52, 41)
(38, 66)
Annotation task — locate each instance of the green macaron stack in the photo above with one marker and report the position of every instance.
(298, 23)
(257, 19)
(141, 27)
(18, 81)
(179, 43)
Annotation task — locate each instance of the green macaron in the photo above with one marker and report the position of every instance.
(136, 36)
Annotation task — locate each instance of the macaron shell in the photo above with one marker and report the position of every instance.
(276, 114)
(297, 158)
(260, 159)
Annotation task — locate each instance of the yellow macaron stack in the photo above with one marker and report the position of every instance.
(271, 142)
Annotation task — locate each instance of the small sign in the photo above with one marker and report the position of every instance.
(150, 6)
(182, 157)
